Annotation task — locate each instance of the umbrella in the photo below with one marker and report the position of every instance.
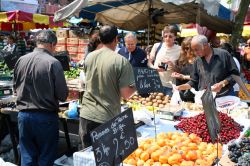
(26, 21)
(136, 14)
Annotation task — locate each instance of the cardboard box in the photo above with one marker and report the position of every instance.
(72, 42)
(82, 50)
(83, 42)
(60, 48)
(81, 56)
(61, 41)
(62, 34)
(72, 35)
(72, 50)
(74, 57)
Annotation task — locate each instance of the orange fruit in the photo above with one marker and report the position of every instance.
(174, 159)
(146, 146)
(192, 146)
(162, 135)
(138, 152)
(161, 142)
(157, 164)
(150, 162)
(140, 163)
(187, 163)
(191, 155)
(200, 162)
(163, 158)
(155, 155)
(144, 156)
(165, 165)
(131, 162)
(153, 148)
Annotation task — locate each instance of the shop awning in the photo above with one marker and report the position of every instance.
(133, 14)
(22, 21)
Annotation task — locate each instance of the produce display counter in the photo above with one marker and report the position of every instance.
(86, 156)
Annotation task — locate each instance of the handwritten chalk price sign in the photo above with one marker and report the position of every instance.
(147, 80)
(115, 140)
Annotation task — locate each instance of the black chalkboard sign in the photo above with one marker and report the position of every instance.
(147, 80)
(113, 141)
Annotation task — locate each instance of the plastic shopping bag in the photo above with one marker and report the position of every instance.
(211, 113)
(176, 98)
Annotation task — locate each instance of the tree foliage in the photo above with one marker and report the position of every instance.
(239, 22)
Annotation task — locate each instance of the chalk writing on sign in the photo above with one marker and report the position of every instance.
(147, 80)
(113, 141)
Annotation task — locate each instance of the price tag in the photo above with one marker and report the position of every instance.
(115, 140)
(147, 80)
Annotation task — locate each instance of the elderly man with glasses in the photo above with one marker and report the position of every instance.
(136, 56)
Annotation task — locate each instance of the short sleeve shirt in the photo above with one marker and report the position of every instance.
(172, 54)
(106, 73)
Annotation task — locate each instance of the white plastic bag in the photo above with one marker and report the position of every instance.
(176, 98)
(227, 102)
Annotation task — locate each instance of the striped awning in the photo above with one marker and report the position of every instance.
(26, 21)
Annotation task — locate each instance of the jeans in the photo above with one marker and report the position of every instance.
(168, 91)
(38, 137)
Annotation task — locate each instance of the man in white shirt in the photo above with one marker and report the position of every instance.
(168, 53)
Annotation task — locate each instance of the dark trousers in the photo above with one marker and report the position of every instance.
(85, 127)
(38, 137)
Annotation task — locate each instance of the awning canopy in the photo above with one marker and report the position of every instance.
(134, 14)
(26, 21)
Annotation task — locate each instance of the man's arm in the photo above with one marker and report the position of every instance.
(183, 87)
(127, 92)
(61, 89)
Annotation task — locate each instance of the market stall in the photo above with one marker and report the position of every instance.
(173, 132)
(23, 21)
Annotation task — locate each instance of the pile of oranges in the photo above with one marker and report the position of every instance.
(174, 149)
(242, 95)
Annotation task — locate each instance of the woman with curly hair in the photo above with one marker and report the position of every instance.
(184, 68)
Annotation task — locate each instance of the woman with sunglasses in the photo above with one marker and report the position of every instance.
(184, 68)
(163, 57)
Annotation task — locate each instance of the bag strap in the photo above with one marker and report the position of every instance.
(157, 50)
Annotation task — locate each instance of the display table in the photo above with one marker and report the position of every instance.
(9, 114)
(86, 156)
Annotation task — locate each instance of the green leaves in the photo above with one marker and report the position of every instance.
(72, 73)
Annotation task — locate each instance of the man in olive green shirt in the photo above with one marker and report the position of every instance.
(109, 77)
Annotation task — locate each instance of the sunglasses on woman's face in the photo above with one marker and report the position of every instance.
(186, 48)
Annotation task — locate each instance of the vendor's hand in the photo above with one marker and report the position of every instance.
(217, 87)
(177, 75)
(177, 88)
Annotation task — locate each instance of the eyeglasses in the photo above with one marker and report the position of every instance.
(169, 36)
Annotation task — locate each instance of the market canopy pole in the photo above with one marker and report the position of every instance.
(69, 10)
(149, 20)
